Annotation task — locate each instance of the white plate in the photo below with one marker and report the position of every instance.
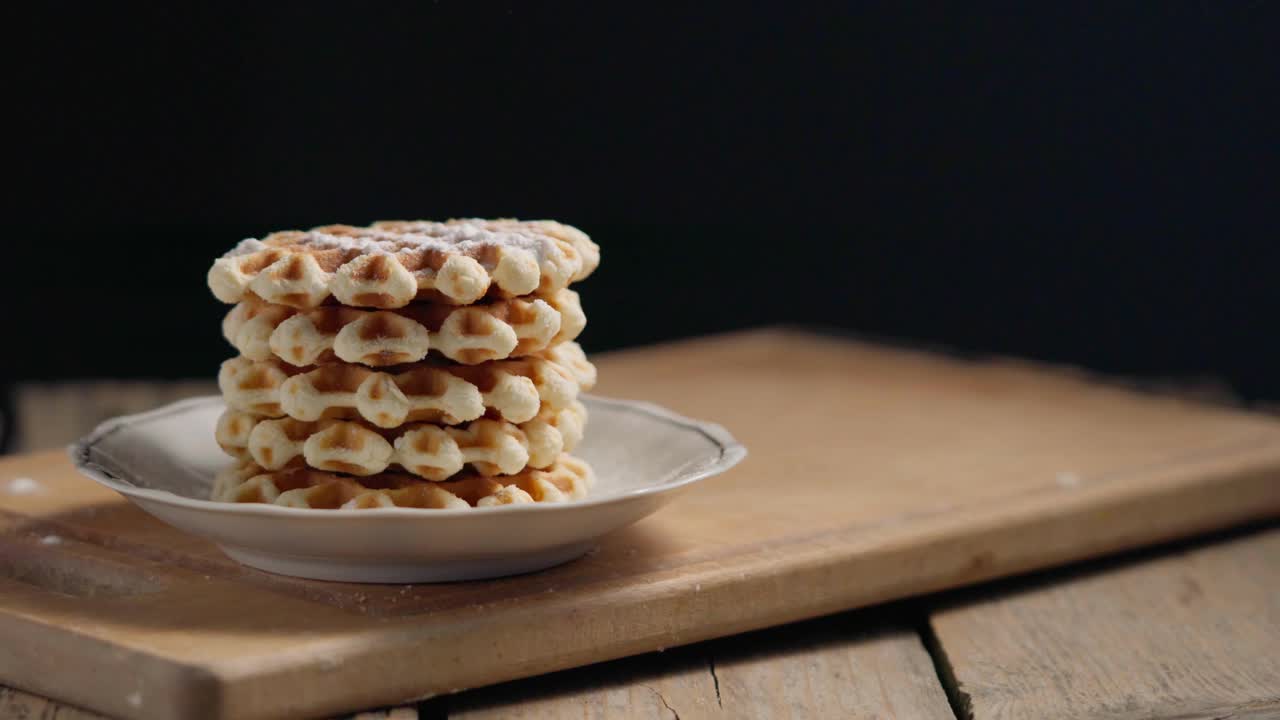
(643, 456)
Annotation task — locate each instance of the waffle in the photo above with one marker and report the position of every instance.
(511, 390)
(571, 358)
(489, 447)
(392, 263)
(472, 334)
(567, 479)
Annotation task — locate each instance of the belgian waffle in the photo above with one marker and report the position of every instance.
(469, 334)
(511, 390)
(567, 479)
(571, 358)
(490, 447)
(392, 263)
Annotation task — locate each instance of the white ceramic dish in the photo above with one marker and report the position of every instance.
(643, 456)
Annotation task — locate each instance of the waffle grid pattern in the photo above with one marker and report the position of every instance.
(409, 364)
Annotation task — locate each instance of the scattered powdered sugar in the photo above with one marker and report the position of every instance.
(23, 486)
(1068, 479)
(459, 237)
(51, 540)
(134, 699)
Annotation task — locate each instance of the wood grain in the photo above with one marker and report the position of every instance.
(861, 665)
(833, 668)
(1191, 634)
(664, 685)
(874, 474)
(853, 665)
(18, 705)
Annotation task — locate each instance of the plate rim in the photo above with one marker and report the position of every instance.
(731, 453)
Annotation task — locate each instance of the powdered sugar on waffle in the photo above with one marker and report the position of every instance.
(458, 236)
(248, 246)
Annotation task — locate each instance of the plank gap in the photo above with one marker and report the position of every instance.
(711, 668)
(1180, 631)
(960, 701)
(432, 709)
(437, 708)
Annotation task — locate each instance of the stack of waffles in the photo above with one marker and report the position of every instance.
(405, 364)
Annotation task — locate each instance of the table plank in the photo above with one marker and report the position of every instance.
(18, 705)
(1188, 634)
(834, 668)
(653, 686)
(850, 665)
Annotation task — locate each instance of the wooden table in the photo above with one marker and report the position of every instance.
(1183, 631)
(1179, 631)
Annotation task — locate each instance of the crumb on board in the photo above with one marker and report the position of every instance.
(51, 540)
(22, 486)
(1068, 479)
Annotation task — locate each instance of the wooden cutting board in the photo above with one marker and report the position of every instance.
(874, 474)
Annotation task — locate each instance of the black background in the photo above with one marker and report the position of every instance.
(1086, 184)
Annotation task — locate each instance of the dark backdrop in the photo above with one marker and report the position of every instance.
(1085, 183)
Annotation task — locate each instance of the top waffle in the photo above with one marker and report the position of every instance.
(390, 264)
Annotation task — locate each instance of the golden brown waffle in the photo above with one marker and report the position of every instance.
(571, 358)
(567, 479)
(392, 263)
(489, 447)
(470, 334)
(511, 390)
